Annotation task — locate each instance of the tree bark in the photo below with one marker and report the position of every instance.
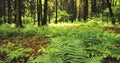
(85, 9)
(9, 11)
(39, 10)
(93, 8)
(56, 11)
(18, 13)
(44, 21)
(111, 12)
(73, 10)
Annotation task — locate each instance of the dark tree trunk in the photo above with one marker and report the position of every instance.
(56, 11)
(85, 9)
(4, 11)
(1, 11)
(1, 8)
(39, 10)
(111, 12)
(103, 5)
(15, 3)
(18, 13)
(73, 10)
(44, 21)
(93, 8)
(9, 11)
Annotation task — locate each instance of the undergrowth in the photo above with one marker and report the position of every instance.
(68, 44)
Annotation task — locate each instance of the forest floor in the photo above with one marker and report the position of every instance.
(36, 43)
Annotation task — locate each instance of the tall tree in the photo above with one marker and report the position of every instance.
(33, 10)
(3, 11)
(39, 10)
(18, 13)
(15, 3)
(85, 7)
(44, 21)
(111, 12)
(73, 10)
(56, 11)
(9, 11)
(93, 8)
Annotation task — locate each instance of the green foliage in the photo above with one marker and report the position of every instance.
(51, 58)
(63, 16)
(76, 45)
(27, 20)
(84, 43)
(17, 54)
(94, 60)
(2, 49)
(116, 10)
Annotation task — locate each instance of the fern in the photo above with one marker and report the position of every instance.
(4, 50)
(73, 53)
(51, 58)
(94, 60)
(17, 54)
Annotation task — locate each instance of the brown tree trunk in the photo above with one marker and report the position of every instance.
(73, 10)
(111, 12)
(39, 10)
(56, 11)
(93, 8)
(85, 9)
(15, 3)
(9, 11)
(18, 13)
(44, 21)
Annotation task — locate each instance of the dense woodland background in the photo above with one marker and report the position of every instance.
(46, 11)
(59, 31)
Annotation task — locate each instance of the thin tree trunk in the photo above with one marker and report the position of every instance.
(73, 10)
(111, 12)
(93, 8)
(9, 11)
(4, 12)
(15, 13)
(45, 13)
(18, 13)
(85, 9)
(39, 10)
(56, 12)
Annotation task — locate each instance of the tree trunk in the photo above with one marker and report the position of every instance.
(93, 8)
(85, 9)
(73, 10)
(39, 10)
(15, 3)
(4, 11)
(56, 11)
(18, 13)
(9, 11)
(1, 9)
(111, 12)
(45, 13)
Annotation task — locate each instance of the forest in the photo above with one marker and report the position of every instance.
(59, 31)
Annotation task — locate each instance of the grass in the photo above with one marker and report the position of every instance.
(91, 42)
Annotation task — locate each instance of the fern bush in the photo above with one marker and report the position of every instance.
(49, 56)
(18, 55)
(84, 44)
(79, 45)
(94, 60)
(46, 59)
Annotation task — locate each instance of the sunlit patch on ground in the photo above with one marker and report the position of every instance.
(63, 24)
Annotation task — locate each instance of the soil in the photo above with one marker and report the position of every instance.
(114, 29)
